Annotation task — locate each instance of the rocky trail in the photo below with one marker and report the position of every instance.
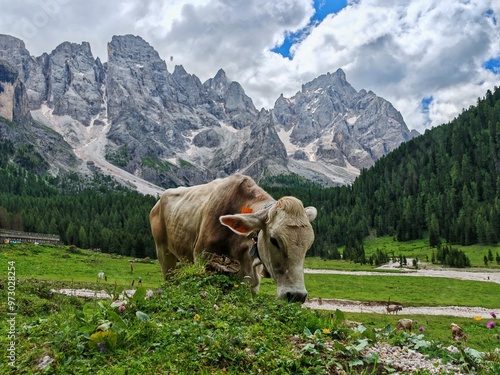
(485, 275)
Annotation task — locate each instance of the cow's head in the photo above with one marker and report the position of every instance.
(285, 235)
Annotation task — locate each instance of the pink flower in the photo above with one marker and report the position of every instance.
(490, 325)
(421, 329)
(159, 291)
(121, 308)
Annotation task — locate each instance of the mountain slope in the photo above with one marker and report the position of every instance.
(172, 129)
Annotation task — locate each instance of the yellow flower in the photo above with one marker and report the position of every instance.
(196, 317)
(313, 336)
(478, 318)
(236, 285)
(326, 330)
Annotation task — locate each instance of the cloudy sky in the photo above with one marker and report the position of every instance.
(430, 58)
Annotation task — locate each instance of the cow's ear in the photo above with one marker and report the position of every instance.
(311, 213)
(243, 224)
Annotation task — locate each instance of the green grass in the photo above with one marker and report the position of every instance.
(410, 291)
(47, 262)
(422, 250)
(410, 249)
(224, 331)
(437, 328)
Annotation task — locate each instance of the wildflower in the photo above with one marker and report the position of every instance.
(216, 308)
(149, 293)
(102, 349)
(326, 330)
(421, 329)
(121, 308)
(478, 318)
(457, 338)
(98, 344)
(490, 325)
(196, 317)
(236, 285)
(313, 336)
(493, 315)
(159, 291)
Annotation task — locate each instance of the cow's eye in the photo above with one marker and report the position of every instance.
(275, 243)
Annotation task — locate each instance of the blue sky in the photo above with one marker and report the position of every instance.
(429, 58)
(493, 65)
(322, 9)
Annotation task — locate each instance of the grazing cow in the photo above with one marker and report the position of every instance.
(236, 218)
(406, 324)
(394, 308)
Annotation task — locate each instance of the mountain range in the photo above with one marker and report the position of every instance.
(132, 118)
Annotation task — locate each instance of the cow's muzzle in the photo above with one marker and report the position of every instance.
(296, 296)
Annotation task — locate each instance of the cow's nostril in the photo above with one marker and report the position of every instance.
(296, 297)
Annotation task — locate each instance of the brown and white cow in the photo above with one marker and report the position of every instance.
(189, 221)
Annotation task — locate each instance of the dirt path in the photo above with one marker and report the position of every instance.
(370, 307)
(477, 275)
(485, 275)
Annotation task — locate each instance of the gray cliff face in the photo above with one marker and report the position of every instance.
(17, 126)
(74, 80)
(338, 124)
(68, 80)
(172, 129)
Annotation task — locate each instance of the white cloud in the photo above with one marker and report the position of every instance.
(402, 50)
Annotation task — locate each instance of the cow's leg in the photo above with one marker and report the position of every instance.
(166, 259)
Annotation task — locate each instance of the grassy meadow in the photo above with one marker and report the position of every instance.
(177, 330)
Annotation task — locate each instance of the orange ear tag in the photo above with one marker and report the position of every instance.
(246, 210)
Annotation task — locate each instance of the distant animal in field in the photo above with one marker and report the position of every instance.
(236, 218)
(457, 333)
(404, 324)
(393, 309)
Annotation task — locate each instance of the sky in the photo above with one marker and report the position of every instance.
(430, 58)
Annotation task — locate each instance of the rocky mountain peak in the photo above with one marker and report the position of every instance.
(337, 124)
(171, 129)
(131, 50)
(219, 84)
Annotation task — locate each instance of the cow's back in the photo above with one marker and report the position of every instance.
(186, 219)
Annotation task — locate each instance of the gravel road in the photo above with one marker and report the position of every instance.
(485, 275)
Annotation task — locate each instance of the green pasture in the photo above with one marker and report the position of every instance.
(61, 327)
(48, 262)
(410, 249)
(410, 291)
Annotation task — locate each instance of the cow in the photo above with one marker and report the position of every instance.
(405, 324)
(235, 217)
(394, 308)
